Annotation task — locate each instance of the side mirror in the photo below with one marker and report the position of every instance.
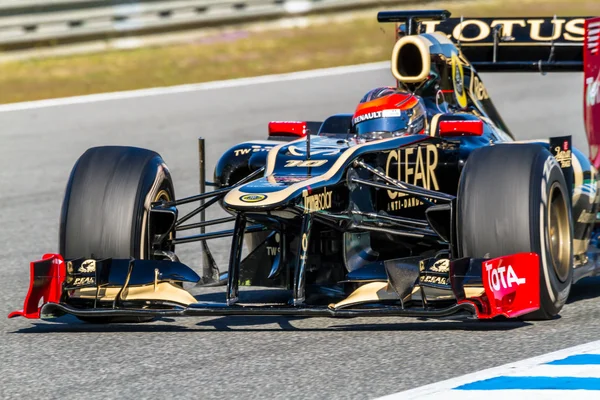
(288, 128)
(460, 128)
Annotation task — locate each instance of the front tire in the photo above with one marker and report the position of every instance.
(106, 204)
(511, 199)
(108, 196)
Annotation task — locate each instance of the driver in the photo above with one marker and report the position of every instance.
(387, 112)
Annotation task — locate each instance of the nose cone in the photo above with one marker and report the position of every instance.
(265, 193)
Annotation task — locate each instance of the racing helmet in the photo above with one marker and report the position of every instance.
(388, 112)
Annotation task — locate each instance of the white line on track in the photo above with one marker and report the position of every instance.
(511, 395)
(443, 389)
(158, 91)
(580, 371)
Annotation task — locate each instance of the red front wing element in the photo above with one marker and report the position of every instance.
(591, 74)
(512, 286)
(511, 283)
(45, 285)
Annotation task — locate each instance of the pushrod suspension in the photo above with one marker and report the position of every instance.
(218, 192)
(215, 235)
(205, 223)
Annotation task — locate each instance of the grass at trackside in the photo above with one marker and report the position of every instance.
(244, 54)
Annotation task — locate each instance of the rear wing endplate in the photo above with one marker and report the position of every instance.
(591, 105)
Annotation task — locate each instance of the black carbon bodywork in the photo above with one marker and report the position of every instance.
(318, 217)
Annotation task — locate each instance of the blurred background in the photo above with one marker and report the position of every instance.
(57, 48)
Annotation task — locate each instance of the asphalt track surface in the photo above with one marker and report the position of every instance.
(239, 357)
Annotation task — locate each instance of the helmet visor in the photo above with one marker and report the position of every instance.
(382, 125)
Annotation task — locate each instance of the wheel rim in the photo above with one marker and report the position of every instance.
(162, 195)
(559, 233)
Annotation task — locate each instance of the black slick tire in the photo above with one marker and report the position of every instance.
(105, 208)
(107, 199)
(513, 198)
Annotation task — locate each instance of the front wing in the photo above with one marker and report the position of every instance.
(505, 286)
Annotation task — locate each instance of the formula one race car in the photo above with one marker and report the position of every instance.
(420, 203)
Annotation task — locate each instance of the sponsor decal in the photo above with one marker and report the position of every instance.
(304, 243)
(436, 280)
(502, 277)
(563, 157)
(458, 81)
(442, 266)
(377, 114)
(304, 163)
(414, 165)
(391, 113)
(366, 117)
(273, 250)
(592, 92)
(73, 277)
(538, 29)
(86, 280)
(434, 272)
(560, 147)
(478, 90)
(87, 266)
(404, 201)
(253, 149)
(253, 198)
(316, 202)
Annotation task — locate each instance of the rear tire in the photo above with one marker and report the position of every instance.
(105, 208)
(511, 199)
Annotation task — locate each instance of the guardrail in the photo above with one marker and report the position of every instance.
(28, 23)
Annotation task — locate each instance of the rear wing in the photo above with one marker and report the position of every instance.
(537, 44)
(542, 44)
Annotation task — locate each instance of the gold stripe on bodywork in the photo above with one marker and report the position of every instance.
(233, 198)
(163, 291)
(372, 292)
(471, 291)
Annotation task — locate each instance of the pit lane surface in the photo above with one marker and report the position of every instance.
(241, 357)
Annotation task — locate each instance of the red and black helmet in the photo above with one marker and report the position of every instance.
(387, 112)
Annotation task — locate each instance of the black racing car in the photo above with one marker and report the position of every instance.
(420, 203)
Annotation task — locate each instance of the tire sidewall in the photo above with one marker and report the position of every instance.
(553, 292)
(156, 178)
